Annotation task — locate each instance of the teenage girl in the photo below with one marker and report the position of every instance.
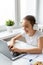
(32, 37)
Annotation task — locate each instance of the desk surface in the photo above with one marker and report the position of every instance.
(5, 61)
(21, 61)
(24, 60)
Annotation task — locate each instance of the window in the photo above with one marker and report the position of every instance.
(28, 7)
(16, 10)
(7, 10)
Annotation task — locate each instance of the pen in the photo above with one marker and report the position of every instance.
(33, 58)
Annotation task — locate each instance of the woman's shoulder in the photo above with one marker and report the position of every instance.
(40, 34)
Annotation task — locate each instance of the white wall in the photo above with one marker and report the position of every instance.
(40, 16)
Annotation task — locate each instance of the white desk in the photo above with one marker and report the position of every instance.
(24, 60)
(3, 59)
(20, 61)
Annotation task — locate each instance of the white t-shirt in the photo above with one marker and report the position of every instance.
(32, 40)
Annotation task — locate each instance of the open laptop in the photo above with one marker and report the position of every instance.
(5, 51)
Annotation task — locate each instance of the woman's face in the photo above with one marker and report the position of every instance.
(26, 26)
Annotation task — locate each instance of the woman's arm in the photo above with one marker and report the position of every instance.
(35, 50)
(12, 41)
(32, 50)
(17, 37)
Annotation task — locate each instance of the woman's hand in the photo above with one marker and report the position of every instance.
(11, 43)
(13, 49)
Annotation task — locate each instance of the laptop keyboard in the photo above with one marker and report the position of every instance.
(15, 54)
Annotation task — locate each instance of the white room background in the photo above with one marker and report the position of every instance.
(17, 9)
(7, 10)
(40, 12)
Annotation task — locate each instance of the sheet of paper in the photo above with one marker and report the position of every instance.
(31, 56)
(39, 58)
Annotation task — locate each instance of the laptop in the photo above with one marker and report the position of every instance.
(5, 51)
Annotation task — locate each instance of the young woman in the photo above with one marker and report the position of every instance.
(32, 37)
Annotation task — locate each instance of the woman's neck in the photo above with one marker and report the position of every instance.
(32, 32)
